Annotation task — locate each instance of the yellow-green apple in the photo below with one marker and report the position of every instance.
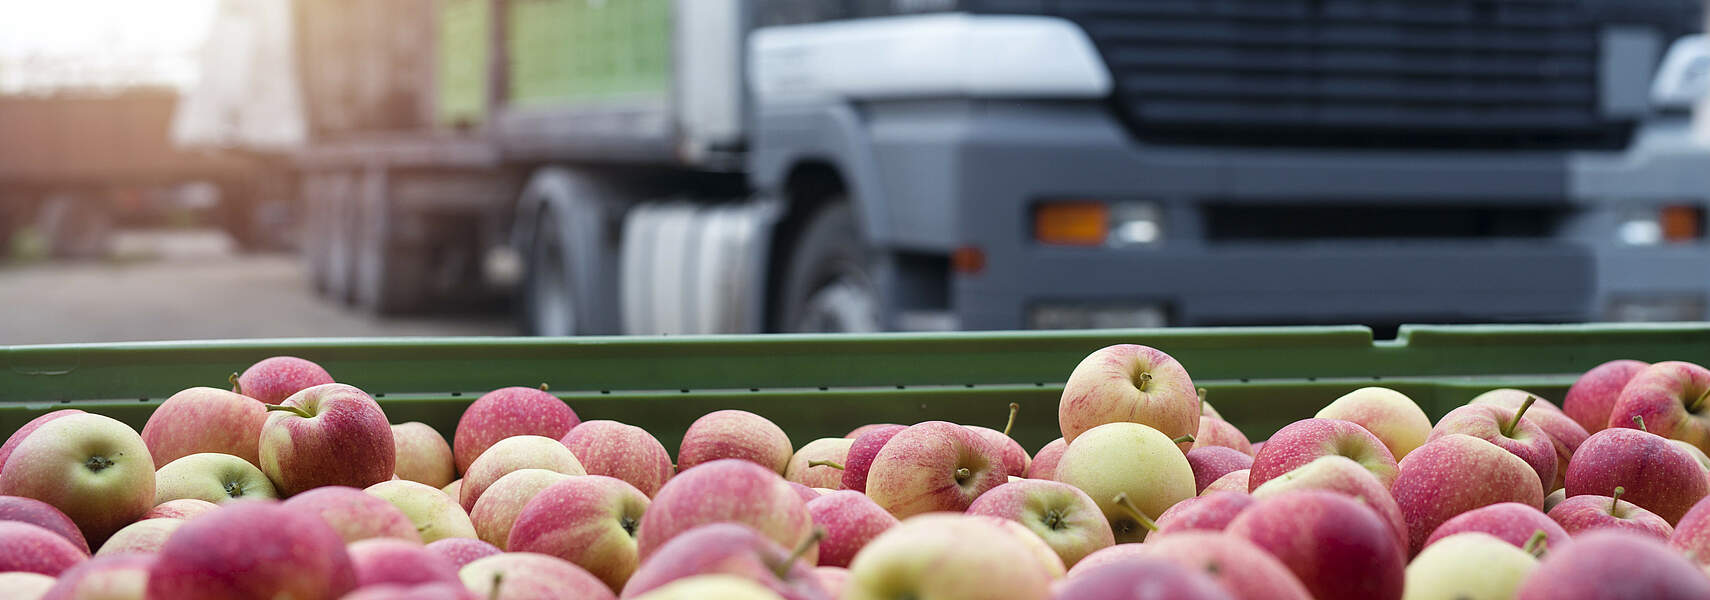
(1211, 463)
(122, 577)
(391, 560)
(425, 591)
(1656, 475)
(508, 412)
(711, 587)
(34, 549)
(947, 556)
(850, 520)
(1141, 578)
(423, 456)
(462, 550)
(1218, 432)
(142, 537)
(1129, 383)
(819, 463)
(1336, 545)
(1468, 566)
(453, 489)
(1041, 551)
(1457, 473)
(93, 468)
(862, 430)
(1390, 415)
(1062, 515)
(933, 466)
(204, 419)
(213, 477)
(1607, 564)
(18, 436)
(833, 579)
(1579, 514)
(1343, 476)
(1307, 440)
(356, 515)
(1673, 399)
(36, 512)
(529, 576)
(182, 508)
(1209, 512)
(1233, 481)
(435, 515)
(1015, 458)
(496, 512)
(1593, 395)
(1692, 535)
(1132, 460)
(623, 451)
(1247, 571)
(590, 521)
(1565, 434)
(1044, 465)
(729, 489)
(735, 434)
(731, 549)
(253, 549)
(512, 454)
(1511, 522)
(862, 453)
(25, 585)
(271, 380)
(331, 434)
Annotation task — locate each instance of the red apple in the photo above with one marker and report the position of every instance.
(355, 514)
(948, 556)
(1209, 512)
(590, 521)
(422, 455)
(1141, 578)
(1132, 383)
(1337, 546)
(529, 576)
(862, 453)
(391, 560)
(1390, 415)
(142, 537)
(513, 454)
(42, 514)
(430, 591)
(1509, 430)
(34, 549)
(93, 468)
(1656, 475)
(1211, 463)
(1343, 476)
(833, 579)
(734, 490)
(1068, 520)
(1307, 440)
(1692, 536)
(1593, 395)
(1233, 481)
(1565, 434)
(1671, 397)
(730, 549)
(203, 419)
(272, 380)
(1457, 473)
(462, 551)
(182, 508)
(850, 520)
(496, 512)
(253, 549)
(1579, 514)
(819, 463)
(331, 434)
(806, 493)
(1215, 432)
(18, 436)
(1608, 564)
(933, 466)
(508, 412)
(103, 578)
(734, 434)
(1247, 571)
(862, 430)
(1015, 459)
(1044, 465)
(1511, 522)
(623, 451)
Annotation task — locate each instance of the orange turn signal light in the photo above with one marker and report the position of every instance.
(1071, 223)
(1681, 223)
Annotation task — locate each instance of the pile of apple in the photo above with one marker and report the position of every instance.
(292, 486)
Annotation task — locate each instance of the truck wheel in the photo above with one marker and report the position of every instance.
(830, 285)
(76, 227)
(548, 302)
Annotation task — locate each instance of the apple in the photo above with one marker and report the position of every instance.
(1457, 473)
(1565, 434)
(423, 456)
(1211, 463)
(1507, 429)
(25, 585)
(833, 579)
(529, 576)
(1692, 535)
(462, 550)
(1655, 474)
(496, 512)
(819, 464)
(850, 520)
(1211, 511)
(732, 549)
(509, 412)
(44, 515)
(1555, 498)
(142, 537)
(1670, 397)
(331, 434)
(806, 493)
(1141, 578)
(1307, 440)
(1068, 520)
(731, 489)
(863, 451)
(355, 514)
(1579, 514)
(1391, 416)
(18, 436)
(857, 432)
(213, 477)
(1511, 522)
(204, 419)
(253, 549)
(1131, 460)
(182, 508)
(512, 454)
(1336, 545)
(706, 587)
(1215, 432)
(271, 380)
(623, 451)
(1247, 571)
(102, 578)
(1592, 396)
(453, 489)
(1041, 551)
(427, 591)
(1044, 465)
(590, 521)
(435, 515)
(734, 434)
(1607, 564)
(391, 560)
(1129, 383)
(35, 549)
(1233, 481)
(933, 466)
(1469, 565)
(1341, 475)
(946, 556)
(1015, 458)
(93, 468)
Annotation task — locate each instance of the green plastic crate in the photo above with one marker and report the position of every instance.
(823, 386)
(465, 34)
(565, 52)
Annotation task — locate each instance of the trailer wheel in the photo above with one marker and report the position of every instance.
(548, 301)
(830, 285)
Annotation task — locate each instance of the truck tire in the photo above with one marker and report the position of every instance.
(830, 284)
(548, 305)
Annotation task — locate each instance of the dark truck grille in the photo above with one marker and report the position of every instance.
(1354, 73)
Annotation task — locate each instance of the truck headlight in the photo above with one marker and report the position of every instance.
(1094, 223)
(1684, 75)
(1673, 224)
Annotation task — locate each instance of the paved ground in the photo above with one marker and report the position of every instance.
(189, 285)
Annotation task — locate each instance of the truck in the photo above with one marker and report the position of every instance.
(721, 166)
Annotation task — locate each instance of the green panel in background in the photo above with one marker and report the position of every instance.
(588, 51)
(465, 28)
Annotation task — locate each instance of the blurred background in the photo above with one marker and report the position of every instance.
(182, 169)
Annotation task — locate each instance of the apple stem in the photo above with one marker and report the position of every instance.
(962, 474)
(1014, 408)
(1537, 544)
(802, 549)
(498, 580)
(1508, 428)
(1699, 403)
(1615, 499)
(825, 463)
(237, 388)
(291, 409)
(544, 387)
(1123, 501)
(1145, 379)
(1640, 420)
(1186, 439)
